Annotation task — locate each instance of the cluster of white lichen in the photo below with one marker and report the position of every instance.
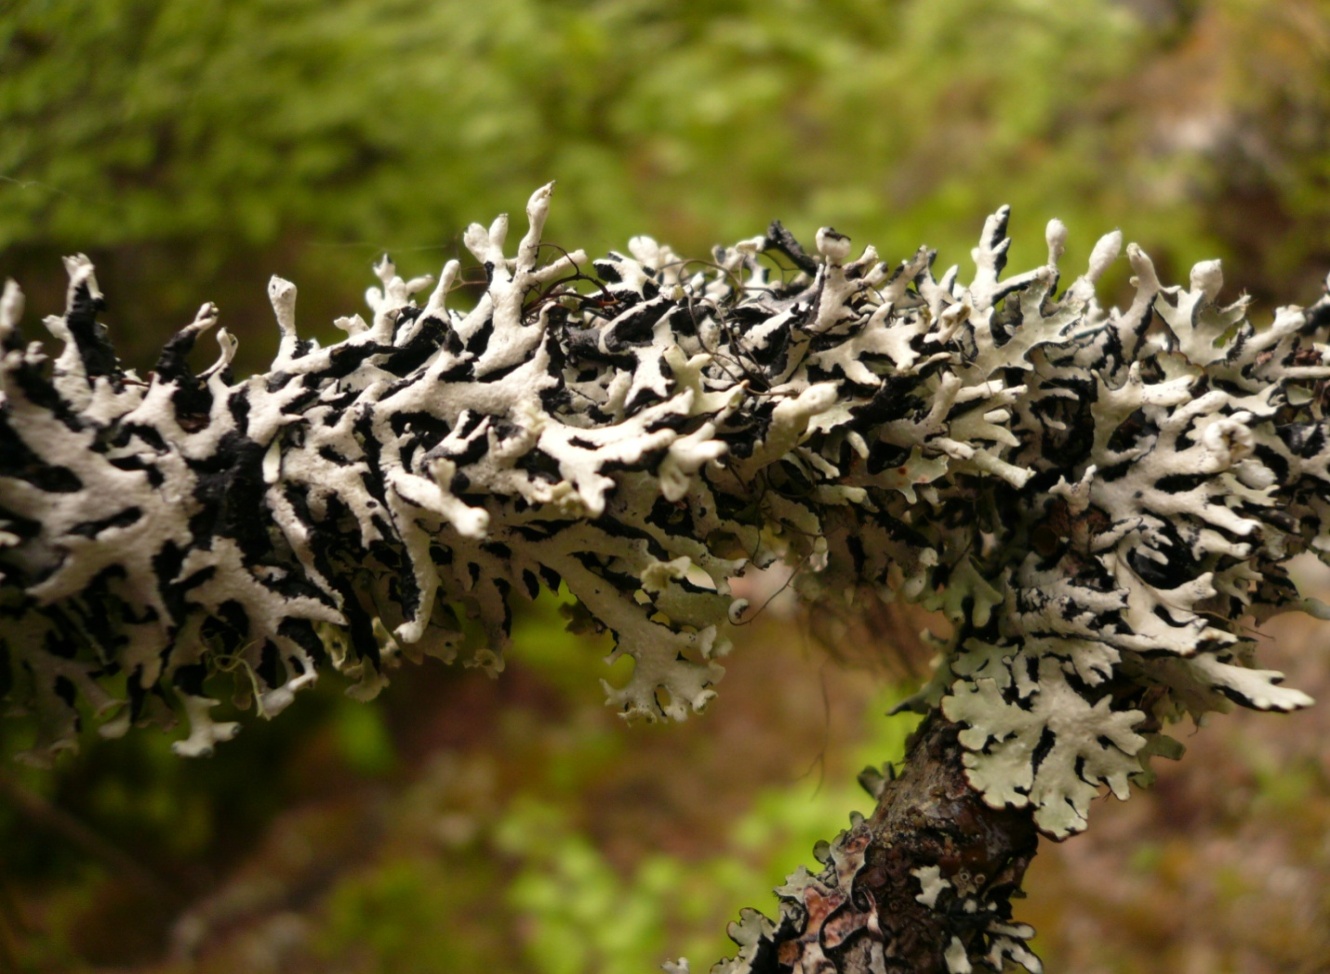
(1095, 498)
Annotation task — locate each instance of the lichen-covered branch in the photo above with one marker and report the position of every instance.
(1096, 498)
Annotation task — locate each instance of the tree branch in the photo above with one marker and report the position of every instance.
(922, 886)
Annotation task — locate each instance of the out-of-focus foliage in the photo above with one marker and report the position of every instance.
(586, 916)
(194, 147)
(521, 827)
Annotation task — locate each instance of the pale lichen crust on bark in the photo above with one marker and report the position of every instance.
(1095, 498)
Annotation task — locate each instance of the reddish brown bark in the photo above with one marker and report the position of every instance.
(868, 911)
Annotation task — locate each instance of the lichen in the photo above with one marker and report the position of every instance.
(1095, 498)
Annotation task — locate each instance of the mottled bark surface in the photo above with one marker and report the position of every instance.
(929, 816)
(924, 885)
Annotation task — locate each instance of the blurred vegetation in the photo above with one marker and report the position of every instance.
(194, 148)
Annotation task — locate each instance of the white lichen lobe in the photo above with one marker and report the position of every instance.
(931, 882)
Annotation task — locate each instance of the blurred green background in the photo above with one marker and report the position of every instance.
(192, 149)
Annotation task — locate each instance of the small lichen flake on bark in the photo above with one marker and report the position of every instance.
(1096, 499)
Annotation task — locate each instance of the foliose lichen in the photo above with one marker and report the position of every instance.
(1095, 498)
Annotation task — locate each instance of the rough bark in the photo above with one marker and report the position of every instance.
(930, 816)
(922, 886)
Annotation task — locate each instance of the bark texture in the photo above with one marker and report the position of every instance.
(922, 886)
(930, 816)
